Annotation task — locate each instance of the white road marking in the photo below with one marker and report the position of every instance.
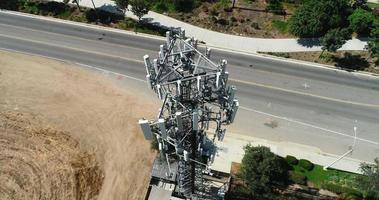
(73, 37)
(242, 107)
(305, 94)
(308, 125)
(72, 48)
(107, 71)
(240, 81)
(97, 27)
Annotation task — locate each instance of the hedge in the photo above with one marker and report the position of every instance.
(297, 177)
(306, 164)
(341, 189)
(292, 160)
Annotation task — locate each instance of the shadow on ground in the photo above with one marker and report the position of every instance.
(350, 62)
(309, 42)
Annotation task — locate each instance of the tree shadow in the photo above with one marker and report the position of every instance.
(351, 62)
(111, 9)
(309, 42)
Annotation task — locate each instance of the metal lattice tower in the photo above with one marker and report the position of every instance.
(195, 98)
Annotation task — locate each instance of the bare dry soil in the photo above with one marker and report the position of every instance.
(69, 133)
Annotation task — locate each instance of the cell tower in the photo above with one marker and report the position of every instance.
(196, 99)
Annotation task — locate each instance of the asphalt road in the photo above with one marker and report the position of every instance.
(309, 105)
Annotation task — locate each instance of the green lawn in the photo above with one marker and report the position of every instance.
(373, 5)
(281, 26)
(318, 176)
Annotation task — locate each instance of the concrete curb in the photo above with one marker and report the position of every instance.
(234, 142)
(98, 27)
(82, 24)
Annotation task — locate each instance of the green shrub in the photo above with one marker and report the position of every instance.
(341, 190)
(297, 177)
(292, 160)
(31, 7)
(281, 26)
(306, 164)
(361, 21)
(184, 5)
(326, 56)
(275, 6)
(160, 7)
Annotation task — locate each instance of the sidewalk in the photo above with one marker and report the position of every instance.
(232, 42)
(231, 150)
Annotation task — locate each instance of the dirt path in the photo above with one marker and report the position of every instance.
(92, 109)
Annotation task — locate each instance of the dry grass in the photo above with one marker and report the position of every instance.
(100, 115)
(39, 162)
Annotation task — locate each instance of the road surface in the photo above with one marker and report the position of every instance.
(281, 101)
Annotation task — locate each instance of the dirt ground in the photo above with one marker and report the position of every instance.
(88, 108)
(38, 162)
(246, 19)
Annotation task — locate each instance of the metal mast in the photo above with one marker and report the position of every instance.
(195, 98)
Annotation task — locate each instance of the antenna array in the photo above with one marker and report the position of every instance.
(195, 98)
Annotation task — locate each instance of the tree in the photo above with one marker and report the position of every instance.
(122, 4)
(373, 44)
(261, 169)
(275, 6)
(334, 39)
(370, 183)
(139, 8)
(361, 21)
(315, 17)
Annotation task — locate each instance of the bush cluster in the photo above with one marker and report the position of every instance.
(292, 160)
(306, 164)
(297, 177)
(34, 7)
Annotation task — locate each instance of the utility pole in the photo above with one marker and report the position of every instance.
(195, 96)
